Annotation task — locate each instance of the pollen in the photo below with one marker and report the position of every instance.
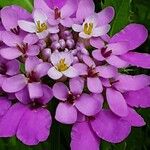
(62, 66)
(88, 28)
(41, 27)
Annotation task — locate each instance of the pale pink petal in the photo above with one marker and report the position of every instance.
(77, 27)
(54, 74)
(71, 72)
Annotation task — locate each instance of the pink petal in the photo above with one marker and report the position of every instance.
(88, 105)
(88, 60)
(97, 55)
(140, 98)
(94, 85)
(76, 85)
(33, 50)
(10, 53)
(34, 126)
(35, 90)
(66, 113)
(81, 68)
(118, 48)
(106, 15)
(86, 11)
(60, 91)
(14, 84)
(134, 118)
(10, 121)
(133, 83)
(97, 43)
(107, 71)
(116, 102)
(117, 61)
(137, 59)
(83, 138)
(110, 127)
(134, 34)
(31, 39)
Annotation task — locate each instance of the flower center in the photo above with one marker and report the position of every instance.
(88, 28)
(57, 13)
(41, 27)
(92, 72)
(23, 48)
(15, 30)
(62, 66)
(105, 53)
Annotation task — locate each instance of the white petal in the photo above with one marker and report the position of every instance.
(54, 74)
(70, 72)
(99, 31)
(77, 27)
(39, 15)
(53, 29)
(55, 58)
(43, 34)
(85, 36)
(27, 26)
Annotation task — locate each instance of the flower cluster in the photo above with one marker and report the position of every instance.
(63, 52)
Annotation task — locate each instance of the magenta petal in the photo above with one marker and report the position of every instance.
(55, 3)
(97, 43)
(97, 55)
(88, 60)
(106, 16)
(34, 126)
(13, 67)
(66, 113)
(134, 118)
(23, 95)
(94, 85)
(133, 83)
(140, 98)
(110, 127)
(14, 84)
(10, 121)
(31, 39)
(116, 102)
(86, 11)
(35, 90)
(5, 105)
(60, 91)
(81, 68)
(10, 53)
(88, 105)
(83, 138)
(33, 50)
(11, 14)
(76, 85)
(47, 94)
(31, 63)
(107, 71)
(42, 69)
(134, 34)
(68, 8)
(137, 59)
(116, 61)
(10, 39)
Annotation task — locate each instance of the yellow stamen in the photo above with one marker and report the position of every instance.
(62, 66)
(88, 28)
(41, 27)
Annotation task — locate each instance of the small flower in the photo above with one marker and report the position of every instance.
(62, 66)
(39, 26)
(90, 28)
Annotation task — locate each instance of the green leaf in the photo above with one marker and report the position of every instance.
(27, 4)
(122, 14)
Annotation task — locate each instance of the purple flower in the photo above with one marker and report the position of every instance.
(104, 125)
(92, 72)
(10, 16)
(30, 82)
(39, 26)
(115, 50)
(95, 25)
(19, 46)
(58, 11)
(74, 100)
(30, 123)
(61, 62)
